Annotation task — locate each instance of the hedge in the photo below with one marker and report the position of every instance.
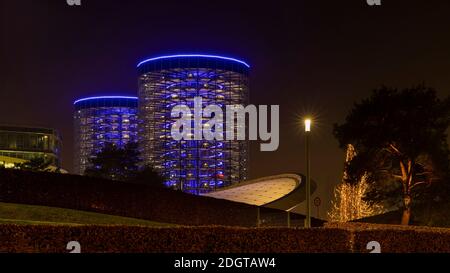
(398, 239)
(134, 239)
(215, 239)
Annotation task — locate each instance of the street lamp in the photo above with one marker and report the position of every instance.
(308, 178)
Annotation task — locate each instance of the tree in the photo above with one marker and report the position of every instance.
(123, 164)
(401, 138)
(148, 176)
(349, 198)
(115, 163)
(35, 164)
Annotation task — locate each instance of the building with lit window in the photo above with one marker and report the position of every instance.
(194, 166)
(101, 120)
(21, 144)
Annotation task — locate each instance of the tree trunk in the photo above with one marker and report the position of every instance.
(406, 216)
(407, 176)
(406, 210)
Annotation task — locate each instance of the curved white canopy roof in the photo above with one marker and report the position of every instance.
(260, 192)
(283, 191)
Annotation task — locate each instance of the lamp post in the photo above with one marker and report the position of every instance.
(308, 178)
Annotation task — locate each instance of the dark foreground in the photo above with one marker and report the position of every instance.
(334, 238)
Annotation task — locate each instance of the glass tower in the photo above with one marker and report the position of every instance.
(194, 166)
(101, 120)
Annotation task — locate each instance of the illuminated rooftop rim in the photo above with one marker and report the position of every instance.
(104, 97)
(26, 129)
(193, 56)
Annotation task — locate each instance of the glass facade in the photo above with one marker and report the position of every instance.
(100, 120)
(24, 143)
(194, 166)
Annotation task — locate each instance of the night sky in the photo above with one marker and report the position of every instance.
(314, 57)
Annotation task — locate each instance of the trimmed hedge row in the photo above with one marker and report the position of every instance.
(134, 239)
(398, 239)
(214, 239)
(126, 199)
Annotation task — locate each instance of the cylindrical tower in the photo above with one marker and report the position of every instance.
(100, 120)
(194, 166)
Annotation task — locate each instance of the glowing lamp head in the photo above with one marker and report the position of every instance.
(307, 125)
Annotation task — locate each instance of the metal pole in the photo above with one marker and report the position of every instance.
(308, 182)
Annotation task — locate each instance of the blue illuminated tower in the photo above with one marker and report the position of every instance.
(194, 166)
(101, 120)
